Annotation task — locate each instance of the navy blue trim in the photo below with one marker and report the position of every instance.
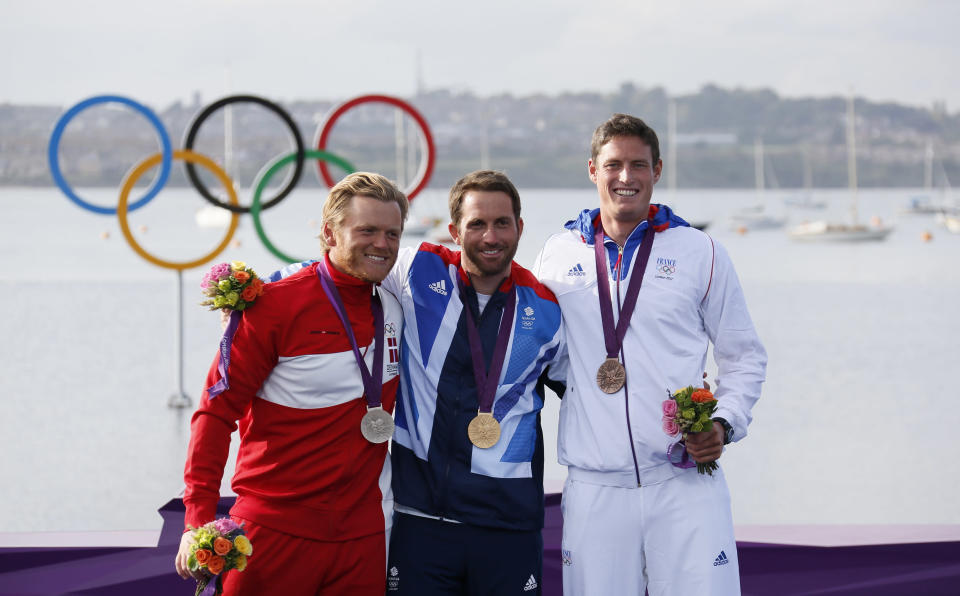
(584, 224)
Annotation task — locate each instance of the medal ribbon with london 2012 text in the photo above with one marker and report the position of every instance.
(612, 375)
(377, 424)
(484, 430)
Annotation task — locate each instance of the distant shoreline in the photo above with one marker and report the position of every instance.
(541, 141)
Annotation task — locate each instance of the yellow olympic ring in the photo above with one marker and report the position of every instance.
(189, 157)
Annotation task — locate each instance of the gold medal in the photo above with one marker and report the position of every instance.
(484, 430)
(611, 376)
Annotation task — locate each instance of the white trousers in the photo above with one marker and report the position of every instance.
(673, 538)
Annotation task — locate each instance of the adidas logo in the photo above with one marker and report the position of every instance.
(721, 559)
(576, 271)
(531, 584)
(440, 287)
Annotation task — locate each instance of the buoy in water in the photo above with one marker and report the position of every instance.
(742, 230)
(926, 236)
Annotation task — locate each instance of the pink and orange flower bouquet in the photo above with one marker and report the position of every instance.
(689, 410)
(219, 546)
(233, 286)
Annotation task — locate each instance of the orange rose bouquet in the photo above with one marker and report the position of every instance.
(218, 547)
(232, 286)
(688, 410)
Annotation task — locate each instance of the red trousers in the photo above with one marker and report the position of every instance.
(294, 566)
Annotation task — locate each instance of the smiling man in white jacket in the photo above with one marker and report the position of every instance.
(634, 519)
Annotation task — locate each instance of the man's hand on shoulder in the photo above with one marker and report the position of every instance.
(707, 446)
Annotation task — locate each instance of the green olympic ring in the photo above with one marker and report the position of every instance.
(272, 169)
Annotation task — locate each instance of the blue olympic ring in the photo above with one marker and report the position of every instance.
(53, 152)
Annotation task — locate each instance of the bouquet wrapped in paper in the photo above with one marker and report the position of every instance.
(688, 410)
(218, 547)
(232, 286)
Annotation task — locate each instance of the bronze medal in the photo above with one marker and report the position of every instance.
(484, 430)
(611, 376)
(376, 425)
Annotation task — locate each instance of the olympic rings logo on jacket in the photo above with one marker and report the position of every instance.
(167, 155)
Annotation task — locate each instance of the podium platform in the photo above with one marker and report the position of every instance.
(766, 568)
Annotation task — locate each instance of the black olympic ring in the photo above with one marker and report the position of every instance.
(284, 115)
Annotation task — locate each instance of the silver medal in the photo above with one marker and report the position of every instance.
(376, 425)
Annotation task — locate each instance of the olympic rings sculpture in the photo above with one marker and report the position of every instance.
(168, 155)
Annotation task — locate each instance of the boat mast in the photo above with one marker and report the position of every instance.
(807, 171)
(672, 151)
(399, 149)
(759, 182)
(852, 158)
(228, 165)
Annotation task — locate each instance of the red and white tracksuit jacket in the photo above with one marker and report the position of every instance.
(303, 467)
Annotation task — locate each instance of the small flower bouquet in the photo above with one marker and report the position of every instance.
(689, 410)
(218, 547)
(230, 285)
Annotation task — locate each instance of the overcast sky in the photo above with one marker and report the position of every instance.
(61, 51)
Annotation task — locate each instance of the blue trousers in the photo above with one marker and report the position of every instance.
(430, 557)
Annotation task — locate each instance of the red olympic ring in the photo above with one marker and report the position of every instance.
(426, 168)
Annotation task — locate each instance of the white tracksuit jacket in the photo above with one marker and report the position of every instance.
(690, 297)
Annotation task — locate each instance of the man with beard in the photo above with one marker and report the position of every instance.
(468, 449)
(312, 480)
(643, 295)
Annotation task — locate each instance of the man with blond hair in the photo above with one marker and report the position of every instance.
(312, 474)
(468, 448)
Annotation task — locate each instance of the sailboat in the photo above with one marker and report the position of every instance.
(948, 215)
(672, 163)
(923, 204)
(926, 203)
(805, 199)
(756, 217)
(841, 232)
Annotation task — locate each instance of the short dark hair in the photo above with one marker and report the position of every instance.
(487, 180)
(624, 125)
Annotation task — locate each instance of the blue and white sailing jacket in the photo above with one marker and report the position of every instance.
(690, 298)
(436, 469)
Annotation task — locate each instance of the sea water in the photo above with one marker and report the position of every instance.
(856, 425)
